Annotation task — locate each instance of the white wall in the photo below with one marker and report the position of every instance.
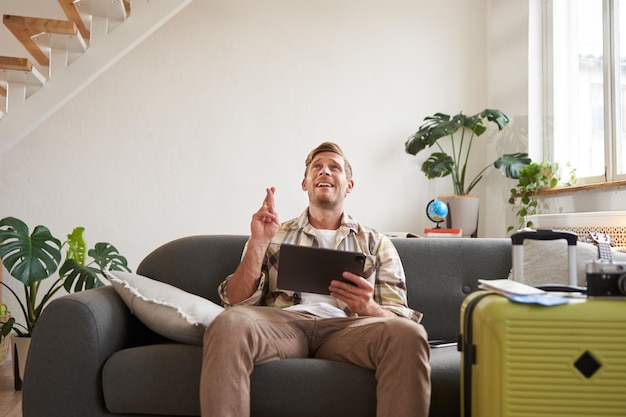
(508, 89)
(182, 136)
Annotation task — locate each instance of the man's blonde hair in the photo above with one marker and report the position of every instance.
(328, 147)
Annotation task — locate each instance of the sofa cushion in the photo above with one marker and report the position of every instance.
(167, 310)
(163, 379)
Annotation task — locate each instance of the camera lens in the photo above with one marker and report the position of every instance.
(621, 284)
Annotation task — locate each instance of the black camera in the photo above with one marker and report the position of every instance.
(606, 279)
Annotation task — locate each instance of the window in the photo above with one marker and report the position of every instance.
(585, 87)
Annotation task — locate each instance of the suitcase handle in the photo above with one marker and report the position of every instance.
(562, 288)
(544, 234)
(517, 239)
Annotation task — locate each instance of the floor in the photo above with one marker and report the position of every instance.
(10, 400)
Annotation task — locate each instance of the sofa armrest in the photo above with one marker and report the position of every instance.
(73, 338)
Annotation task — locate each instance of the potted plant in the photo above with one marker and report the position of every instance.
(31, 258)
(462, 130)
(532, 179)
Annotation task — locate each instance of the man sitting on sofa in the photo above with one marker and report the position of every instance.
(367, 324)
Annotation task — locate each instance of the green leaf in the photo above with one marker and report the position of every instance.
(6, 327)
(511, 164)
(439, 164)
(496, 116)
(77, 277)
(475, 124)
(107, 257)
(435, 127)
(76, 246)
(28, 258)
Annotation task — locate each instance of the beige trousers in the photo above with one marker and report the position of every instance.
(240, 337)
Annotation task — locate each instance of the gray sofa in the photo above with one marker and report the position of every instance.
(81, 334)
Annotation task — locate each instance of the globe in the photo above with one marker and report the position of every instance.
(437, 211)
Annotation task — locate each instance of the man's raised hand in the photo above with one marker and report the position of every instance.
(265, 222)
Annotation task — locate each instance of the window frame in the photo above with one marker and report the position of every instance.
(612, 98)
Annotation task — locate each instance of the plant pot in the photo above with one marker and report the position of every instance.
(20, 354)
(5, 344)
(462, 214)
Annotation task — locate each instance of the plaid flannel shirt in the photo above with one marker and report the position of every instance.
(388, 277)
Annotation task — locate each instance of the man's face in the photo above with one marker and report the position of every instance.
(326, 182)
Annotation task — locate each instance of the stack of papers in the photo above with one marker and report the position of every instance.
(508, 287)
(521, 293)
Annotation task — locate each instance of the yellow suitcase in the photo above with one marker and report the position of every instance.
(524, 360)
(527, 360)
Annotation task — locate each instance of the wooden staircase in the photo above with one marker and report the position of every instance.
(27, 30)
(55, 65)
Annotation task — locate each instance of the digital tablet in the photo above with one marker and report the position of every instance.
(308, 269)
(441, 343)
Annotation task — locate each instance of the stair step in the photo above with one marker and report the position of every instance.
(25, 28)
(15, 63)
(111, 9)
(70, 8)
(20, 79)
(11, 63)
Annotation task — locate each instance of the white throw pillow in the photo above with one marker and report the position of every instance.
(545, 261)
(167, 310)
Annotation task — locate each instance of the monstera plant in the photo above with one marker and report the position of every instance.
(33, 257)
(462, 131)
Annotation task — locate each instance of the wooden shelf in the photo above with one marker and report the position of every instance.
(562, 189)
